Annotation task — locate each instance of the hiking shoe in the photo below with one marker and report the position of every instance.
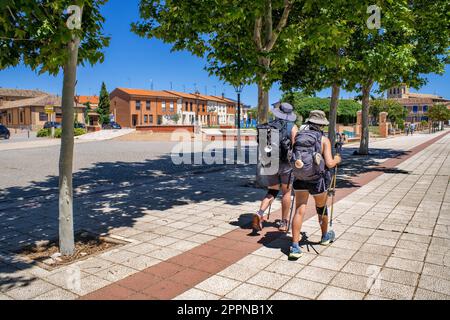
(283, 227)
(327, 239)
(295, 253)
(257, 223)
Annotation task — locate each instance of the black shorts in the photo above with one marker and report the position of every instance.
(314, 187)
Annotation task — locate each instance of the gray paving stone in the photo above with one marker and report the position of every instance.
(329, 263)
(369, 258)
(400, 276)
(303, 288)
(334, 293)
(316, 274)
(347, 244)
(250, 292)
(197, 295)
(434, 284)
(422, 294)
(377, 249)
(352, 282)
(285, 267)
(334, 252)
(269, 280)
(238, 272)
(116, 273)
(283, 296)
(254, 261)
(32, 290)
(358, 268)
(404, 264)
(392, 290)
(436, 271)
(57, 294)
(218, 285)
(417, 255)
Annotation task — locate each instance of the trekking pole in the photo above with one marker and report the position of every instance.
(292, 210)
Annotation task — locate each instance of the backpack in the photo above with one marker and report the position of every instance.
(283, 143)
(307, 161)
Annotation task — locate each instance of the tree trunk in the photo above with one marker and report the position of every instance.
(263, 104)
(365, 134)
(336, 90)
(66, 230)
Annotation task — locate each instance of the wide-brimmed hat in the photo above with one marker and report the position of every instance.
(285, 112)
(318, 117)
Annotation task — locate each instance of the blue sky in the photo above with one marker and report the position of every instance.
(134, 62)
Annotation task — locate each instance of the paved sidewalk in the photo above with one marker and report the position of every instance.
(176, 245)
(393, 243)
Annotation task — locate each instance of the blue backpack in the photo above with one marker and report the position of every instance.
(307, 161)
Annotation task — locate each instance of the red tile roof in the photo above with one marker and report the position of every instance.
(86, 99)
(147, 93)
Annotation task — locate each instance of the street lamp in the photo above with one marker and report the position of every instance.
(238, 89)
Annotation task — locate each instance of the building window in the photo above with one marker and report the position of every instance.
(148, 105)
(415, 109)
(43, 116)
(163, 105)
(145, 119)
(425, 108)
(191, 109)
(171, 107)
(151, 119)
(138, 105)
(21, 113)
(186, 107)
(9, 118)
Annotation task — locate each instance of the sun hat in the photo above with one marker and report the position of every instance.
(285, 112)
(318, 117)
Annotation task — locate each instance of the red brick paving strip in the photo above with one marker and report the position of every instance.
(171, 278)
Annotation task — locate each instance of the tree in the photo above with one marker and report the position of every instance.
(50, 36)
(396, 112)
(439, 112)
(104, 104)
(243, 42)
(87, 110)
(402, 50)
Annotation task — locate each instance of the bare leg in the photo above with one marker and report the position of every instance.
(301, 202)
(268, 200)
(286, 201)
(321, 201)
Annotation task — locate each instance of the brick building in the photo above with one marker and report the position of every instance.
(26, 108)
(417, 104)
(135, 107)
(92, 101)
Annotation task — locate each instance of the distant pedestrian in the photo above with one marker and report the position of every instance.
(407, 129)
(413, 128)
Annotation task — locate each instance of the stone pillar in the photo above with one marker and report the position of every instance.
(358, 128)
(384, 125)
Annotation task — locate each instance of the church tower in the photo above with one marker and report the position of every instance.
(398, 92)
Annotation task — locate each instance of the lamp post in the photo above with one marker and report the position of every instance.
(238, 89)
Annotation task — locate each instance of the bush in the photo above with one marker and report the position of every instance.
(79, 132)
(58, 132)
(43, 133)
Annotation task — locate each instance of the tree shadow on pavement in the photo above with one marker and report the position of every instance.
(114, 196)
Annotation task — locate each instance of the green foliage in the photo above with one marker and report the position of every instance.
(35, 33)
(79, 132)
(43, 133)
(396, 112)
(104, 104)
(303, 105)
(176, 118)
(87, 110)
(439, 112)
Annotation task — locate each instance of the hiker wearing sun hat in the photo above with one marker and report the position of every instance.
(312, 159)
(284, 125)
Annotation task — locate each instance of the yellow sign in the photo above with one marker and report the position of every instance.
(49, 109)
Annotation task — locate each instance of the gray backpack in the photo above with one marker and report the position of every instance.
(307, 161)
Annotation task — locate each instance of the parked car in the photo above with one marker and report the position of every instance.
(52, 124)
(79, 126)
(111, 125)
(4, 132)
